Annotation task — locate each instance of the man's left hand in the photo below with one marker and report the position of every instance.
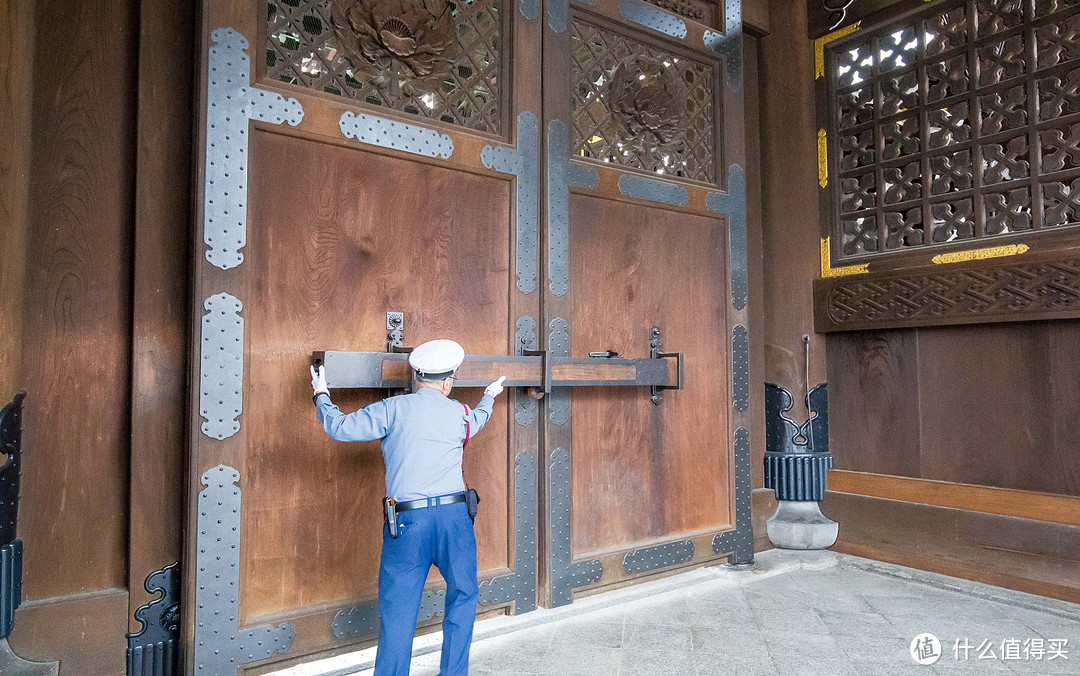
(495, 389)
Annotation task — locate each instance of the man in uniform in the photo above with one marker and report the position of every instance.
(423, 436)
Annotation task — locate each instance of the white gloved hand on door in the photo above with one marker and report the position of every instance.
(495, 388)
(318, 381)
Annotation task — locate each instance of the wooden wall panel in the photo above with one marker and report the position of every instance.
(73, 514)
(990, 405)
(1062, 465)
(874, 401)
(642, 471)
(329, 262)
(984, 405)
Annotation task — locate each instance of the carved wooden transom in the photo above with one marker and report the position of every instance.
(433, 58)
(638, 106)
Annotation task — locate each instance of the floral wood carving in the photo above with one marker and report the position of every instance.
(390, 41)
(647, 100)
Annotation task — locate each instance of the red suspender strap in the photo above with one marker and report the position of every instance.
(467, 430)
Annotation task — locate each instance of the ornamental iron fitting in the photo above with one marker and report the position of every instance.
(11, 548)
(796, 456)
(152, 650)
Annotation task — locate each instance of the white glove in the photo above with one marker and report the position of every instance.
(495, 389)
(318, 381)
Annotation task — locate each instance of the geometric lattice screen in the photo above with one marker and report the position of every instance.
(960, 123)
(302, 48)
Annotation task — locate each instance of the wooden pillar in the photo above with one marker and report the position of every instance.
(16, 59)
(789, 201)
(160, 295)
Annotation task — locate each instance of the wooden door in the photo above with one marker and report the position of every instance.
(340, 182)
(645, 249)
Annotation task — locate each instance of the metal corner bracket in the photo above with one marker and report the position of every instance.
(733, 205)
(221, 646)
(230, 104)
(524, 163)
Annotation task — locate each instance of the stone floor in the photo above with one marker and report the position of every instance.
(819, 613)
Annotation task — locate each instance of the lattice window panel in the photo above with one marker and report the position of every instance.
(597, 133)
(301, 49)
(958, 123)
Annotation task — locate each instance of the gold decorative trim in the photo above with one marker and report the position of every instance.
(980, 254)
(822, 158)
(827, 270)
(819, 46)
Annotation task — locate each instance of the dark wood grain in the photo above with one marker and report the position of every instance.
(161, 287)
(77, 335)
(325, 266)
(874, 401)
(641, 471)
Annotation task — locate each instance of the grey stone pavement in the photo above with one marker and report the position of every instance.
(799, 614)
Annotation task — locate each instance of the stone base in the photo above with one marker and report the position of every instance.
(10, 663)
(801, 525)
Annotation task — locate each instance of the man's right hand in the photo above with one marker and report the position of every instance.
(318, 381)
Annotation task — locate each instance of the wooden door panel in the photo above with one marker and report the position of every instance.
(642, 471)
(359, 236)
(651, 208)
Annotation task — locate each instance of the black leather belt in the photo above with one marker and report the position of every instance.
(430, 502)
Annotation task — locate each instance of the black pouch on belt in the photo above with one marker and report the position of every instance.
(390, 515)
(472, 500)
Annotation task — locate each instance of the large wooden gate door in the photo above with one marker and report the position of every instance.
(384, 171)
(645, 249)
(358, 157)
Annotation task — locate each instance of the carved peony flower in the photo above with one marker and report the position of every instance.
(646, 99)
(407, 39)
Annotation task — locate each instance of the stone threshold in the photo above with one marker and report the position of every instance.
(769, 563)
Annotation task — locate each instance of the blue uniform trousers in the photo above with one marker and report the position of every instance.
(443, 536)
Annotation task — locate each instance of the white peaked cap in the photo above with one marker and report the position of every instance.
(437, 359)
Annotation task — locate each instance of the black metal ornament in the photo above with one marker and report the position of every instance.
(796, 456)
(152, 649)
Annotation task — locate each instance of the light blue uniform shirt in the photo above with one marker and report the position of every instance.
(421, 437)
